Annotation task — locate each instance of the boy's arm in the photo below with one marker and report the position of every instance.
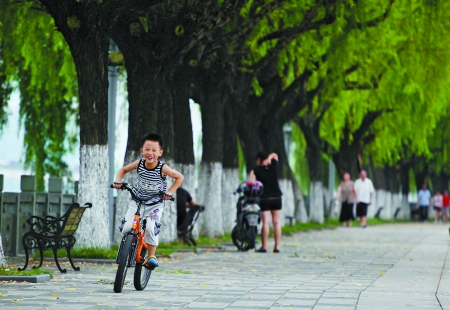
(178, 180)
(124, 170)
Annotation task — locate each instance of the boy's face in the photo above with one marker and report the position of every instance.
(151, 150)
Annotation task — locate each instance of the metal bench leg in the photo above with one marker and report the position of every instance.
(26, 256)
(70, 259)
(186, 241)
(56, 260)
(41, 255)
(192, 239)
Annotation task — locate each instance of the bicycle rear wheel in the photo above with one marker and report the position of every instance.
(141, 273)
(124, 258)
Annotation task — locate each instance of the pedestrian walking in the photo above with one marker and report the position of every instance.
(266, 171)
(347, 193)
(364, 193)
(437, 206)
(445, 206)
(424, 199)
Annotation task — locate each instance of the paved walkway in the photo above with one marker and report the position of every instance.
(381, 267)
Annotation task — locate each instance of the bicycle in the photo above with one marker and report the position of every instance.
(132, 249)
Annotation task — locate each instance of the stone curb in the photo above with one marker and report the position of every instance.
(33, 279)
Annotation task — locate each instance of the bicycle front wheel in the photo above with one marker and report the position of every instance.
(141, 273)
(124, 258)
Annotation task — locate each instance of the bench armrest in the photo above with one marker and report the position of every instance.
(47, 225)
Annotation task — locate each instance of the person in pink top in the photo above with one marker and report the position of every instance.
(438, 202)
(445, 206)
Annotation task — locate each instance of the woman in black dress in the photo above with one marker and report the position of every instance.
(266, 171)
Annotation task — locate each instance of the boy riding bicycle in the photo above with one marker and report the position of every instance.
(151, 181)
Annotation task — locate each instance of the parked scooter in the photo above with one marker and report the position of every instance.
(248, 215)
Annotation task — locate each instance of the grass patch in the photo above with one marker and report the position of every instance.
(164, 249)
(32, 272)
(92, 253)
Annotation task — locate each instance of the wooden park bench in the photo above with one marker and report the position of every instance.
(53, 233)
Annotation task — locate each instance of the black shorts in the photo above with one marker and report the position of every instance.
(269, 204)
(346, 212)
(361, 209)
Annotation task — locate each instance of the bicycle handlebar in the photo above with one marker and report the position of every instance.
(130, 189)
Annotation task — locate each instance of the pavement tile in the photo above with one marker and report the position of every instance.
(383, 267)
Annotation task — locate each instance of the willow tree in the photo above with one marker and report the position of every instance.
(223, 66)
(381, 87)
(86, 28)
(40, 67)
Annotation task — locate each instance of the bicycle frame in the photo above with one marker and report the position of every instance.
(139, 234)
(136, 230)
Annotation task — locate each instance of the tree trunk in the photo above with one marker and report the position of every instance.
(272, 137)
(230, 173)
(316, 199)
(300, 213)
(381, 197)
(2, 255)
(210, 175)
(123, 197)
(249, 119)
(90, 56)
(393, 187)
(405, 184)
(346, 160)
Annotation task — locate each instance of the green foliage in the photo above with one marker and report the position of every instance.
(300, 164)
(41, 66)
(241, 163)
(400, 69)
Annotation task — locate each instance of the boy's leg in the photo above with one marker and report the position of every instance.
(153, 226)
(151, 249)
(129, 216)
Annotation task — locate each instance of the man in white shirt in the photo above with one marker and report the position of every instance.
(424, 199)
(364, 189)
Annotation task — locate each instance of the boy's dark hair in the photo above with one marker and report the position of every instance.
(153, 137)
(260, 155)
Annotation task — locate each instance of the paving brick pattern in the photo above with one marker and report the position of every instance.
(397, 267)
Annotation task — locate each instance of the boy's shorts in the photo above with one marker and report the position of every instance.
(153, 215)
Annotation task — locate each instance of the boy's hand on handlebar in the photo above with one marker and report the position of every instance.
(117, 185)
(167, 196)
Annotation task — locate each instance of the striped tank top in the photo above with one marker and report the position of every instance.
(150, 183)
